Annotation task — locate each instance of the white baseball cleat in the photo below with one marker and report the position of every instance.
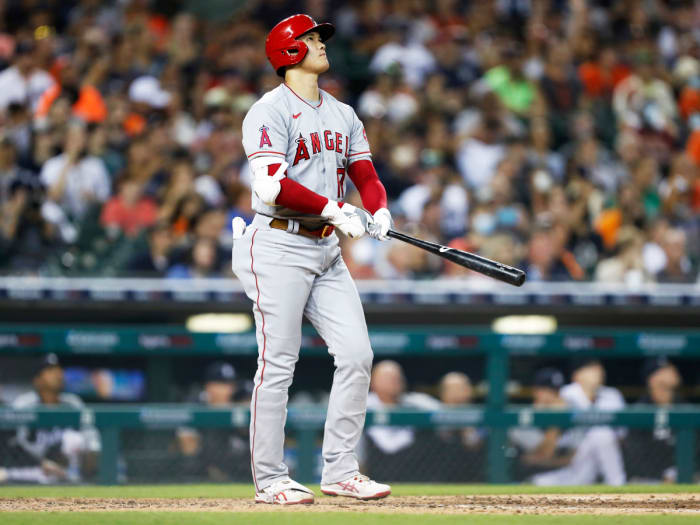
(359, 486)
(285, 492)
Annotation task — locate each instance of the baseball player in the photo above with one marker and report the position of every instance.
(302, 144)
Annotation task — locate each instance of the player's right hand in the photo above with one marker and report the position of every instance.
(346, 219)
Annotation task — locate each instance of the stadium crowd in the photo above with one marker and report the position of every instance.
(559, 136)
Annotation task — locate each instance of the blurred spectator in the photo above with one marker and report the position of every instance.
(24, 236)
(644, 101)
(78, 87)
(154, 259)
(587, 388)
(653, 255)
(509, 82)
(391, 450)
(216, 454)
(464, 446)
(650, 454)
(18, 129)
(586, 391)
(484, 144)
(409, 54)
(627, 266)
(547, 258)
(542, 449)
(129, 211)
(387, 97)
(677, 268)
(75, 181)
(24, 81)
(201, 261)
(582, 454)
(602, 73)
(583, 121)
(43, 455)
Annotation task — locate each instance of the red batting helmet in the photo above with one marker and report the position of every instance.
(283, 39)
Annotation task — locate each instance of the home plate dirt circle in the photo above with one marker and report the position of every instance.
(603, 504)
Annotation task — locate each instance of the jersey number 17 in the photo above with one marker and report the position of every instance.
(341, 180)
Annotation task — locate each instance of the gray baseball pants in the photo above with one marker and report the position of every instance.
(287, 276)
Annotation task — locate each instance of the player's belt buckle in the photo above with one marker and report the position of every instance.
(326, 231)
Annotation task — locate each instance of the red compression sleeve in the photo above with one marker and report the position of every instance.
(297, 197)
(366, 180)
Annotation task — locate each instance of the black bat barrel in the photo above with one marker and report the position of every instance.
(493, 269)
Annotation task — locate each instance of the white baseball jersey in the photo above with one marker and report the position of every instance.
(319, 140)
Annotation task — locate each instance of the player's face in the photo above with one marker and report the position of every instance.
(543, 396)
(50, 378)
(315, 60)
(663, 384)
(219, 392)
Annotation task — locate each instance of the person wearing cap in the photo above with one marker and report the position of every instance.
(597, 449)
(650, 453)
(50, 455)
(216, 454)
(146, 95)
(540, 449)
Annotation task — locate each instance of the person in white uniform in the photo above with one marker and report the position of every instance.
(301, 144)
(586, 454)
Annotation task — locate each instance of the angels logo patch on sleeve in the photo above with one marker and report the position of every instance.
(264, 137)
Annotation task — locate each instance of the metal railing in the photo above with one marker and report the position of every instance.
(306, 422)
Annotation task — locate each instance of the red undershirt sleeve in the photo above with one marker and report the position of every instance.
(296, 196)
(366, 180)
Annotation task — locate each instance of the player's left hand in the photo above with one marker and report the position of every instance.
(380, 225)
(346, 219)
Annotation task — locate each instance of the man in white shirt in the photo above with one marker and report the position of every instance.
(597, 448)
(23, 82)
(74, 180)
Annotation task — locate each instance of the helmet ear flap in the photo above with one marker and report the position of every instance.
(301, 49)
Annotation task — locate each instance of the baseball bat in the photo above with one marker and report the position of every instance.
(493, 269)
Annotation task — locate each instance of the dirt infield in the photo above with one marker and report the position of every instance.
(603, 504)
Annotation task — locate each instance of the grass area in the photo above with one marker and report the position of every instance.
(296, 518)
(246, 491)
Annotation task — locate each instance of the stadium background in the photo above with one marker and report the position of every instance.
(560, 137)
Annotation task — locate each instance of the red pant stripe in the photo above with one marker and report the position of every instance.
(262, 372)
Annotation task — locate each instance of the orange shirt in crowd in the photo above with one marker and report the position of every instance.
(598, 82)
(689, 101)
(693, 147)
(90, 105)
(608, 224)
(134, 124)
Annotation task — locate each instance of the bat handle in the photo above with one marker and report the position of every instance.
(396, 235)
